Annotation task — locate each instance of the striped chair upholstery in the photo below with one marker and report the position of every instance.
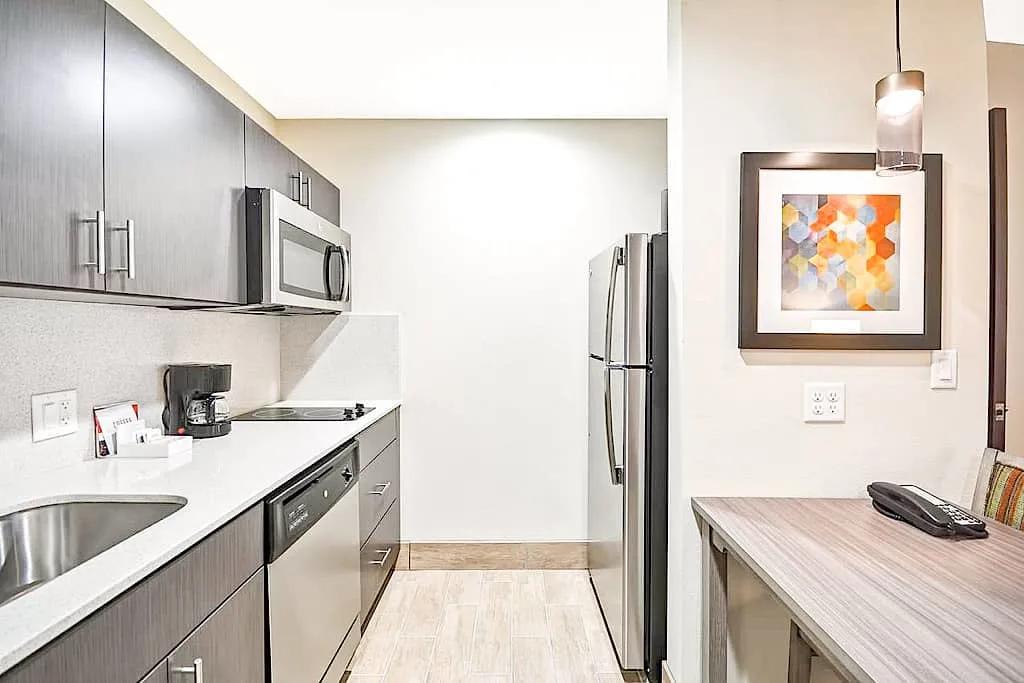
(1000, 489)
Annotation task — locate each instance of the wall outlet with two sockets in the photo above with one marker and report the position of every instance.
(824, 402)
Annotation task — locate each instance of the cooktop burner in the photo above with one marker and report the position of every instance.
(307, 414)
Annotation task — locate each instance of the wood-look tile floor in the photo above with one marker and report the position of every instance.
(486, 627)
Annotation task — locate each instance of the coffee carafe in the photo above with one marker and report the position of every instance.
(195, 404)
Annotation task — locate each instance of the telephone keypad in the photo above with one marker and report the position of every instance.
(959, 516)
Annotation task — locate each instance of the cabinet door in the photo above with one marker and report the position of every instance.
(51, 141)
(319, 194)
(175, 165)
(229, 644)
(268, 163)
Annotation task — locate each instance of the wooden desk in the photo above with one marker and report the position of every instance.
(880, 600)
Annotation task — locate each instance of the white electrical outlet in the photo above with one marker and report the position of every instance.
(54, 414)
(824, 402)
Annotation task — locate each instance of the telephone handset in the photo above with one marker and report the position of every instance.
(927, 512)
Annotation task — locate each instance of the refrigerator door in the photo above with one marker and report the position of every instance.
(615, 519)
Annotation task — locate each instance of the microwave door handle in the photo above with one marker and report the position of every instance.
(346, 275)
(327, 272)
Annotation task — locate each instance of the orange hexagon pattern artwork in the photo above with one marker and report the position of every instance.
(840, 252)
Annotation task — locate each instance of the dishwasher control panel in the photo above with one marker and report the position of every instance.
(302, 502)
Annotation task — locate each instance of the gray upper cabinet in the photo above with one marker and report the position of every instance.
(174, 167)
(319, 195)
(51, 141)
(268, 163)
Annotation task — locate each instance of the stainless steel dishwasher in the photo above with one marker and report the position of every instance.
(313, 572)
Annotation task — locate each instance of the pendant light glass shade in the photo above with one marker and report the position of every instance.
(899, 111)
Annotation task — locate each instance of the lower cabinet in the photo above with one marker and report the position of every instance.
(380, 511)
(207, 603)
(227, 648)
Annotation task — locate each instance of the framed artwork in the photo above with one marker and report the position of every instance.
(833, 256)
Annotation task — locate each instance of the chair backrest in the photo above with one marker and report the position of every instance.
(989, 459)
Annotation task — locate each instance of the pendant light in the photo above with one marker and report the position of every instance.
(899, 112)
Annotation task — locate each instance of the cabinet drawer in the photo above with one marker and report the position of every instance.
(378, 558)
(376, 438)
(378, 489)
(124, 640)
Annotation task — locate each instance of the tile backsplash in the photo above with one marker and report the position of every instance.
(110, 353)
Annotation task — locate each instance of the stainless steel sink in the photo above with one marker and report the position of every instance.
(42, 542)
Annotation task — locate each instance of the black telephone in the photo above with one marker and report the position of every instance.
(927, 512)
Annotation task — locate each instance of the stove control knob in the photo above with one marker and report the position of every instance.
(360, 408)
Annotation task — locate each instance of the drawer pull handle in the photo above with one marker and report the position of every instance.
(381, 489)
(382, 561)
(196, 670)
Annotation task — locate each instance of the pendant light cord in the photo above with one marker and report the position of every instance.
(899, 55)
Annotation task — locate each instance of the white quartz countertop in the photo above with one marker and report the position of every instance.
(225, 476)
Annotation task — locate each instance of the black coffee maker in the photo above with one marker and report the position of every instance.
(195, 404)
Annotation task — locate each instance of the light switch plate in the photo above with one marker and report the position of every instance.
(944, 369)
(54, 414)
(824, 402)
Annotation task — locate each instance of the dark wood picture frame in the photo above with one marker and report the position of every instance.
(751, 165)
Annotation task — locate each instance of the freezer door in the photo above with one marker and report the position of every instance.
(617, 302)
(615, 515)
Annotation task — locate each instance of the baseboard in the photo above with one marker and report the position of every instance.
(666, 673)
(558, 555)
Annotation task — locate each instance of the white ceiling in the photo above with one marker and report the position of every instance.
(1004, 21)
(437, 58)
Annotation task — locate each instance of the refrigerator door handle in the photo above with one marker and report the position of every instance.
(613, 463)
(609, 310)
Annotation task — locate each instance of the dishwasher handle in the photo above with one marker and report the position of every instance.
(296, 507)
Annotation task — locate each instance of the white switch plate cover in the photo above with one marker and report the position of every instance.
(824, 402)
(944, 370)
(54, 414)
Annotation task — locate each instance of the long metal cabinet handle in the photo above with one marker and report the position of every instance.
(101, 242)
(129, 229)
(196, 670)
(297, 177)
(609, 309)
(382, 561)
(609, 428)
(380, 491)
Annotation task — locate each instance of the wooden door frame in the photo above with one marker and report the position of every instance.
(998, 238)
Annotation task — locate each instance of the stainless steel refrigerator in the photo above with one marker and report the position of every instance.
(627, 514)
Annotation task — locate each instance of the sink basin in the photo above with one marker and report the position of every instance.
(40, 543)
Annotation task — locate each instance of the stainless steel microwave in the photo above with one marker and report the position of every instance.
(296, 261)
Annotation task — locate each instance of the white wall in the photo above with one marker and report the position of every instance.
(1004, 20)
(478, 233)
(112, 353)
(750, 75)
(348, 357)
(1006, 89)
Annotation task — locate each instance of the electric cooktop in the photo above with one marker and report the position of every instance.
(306, 414)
